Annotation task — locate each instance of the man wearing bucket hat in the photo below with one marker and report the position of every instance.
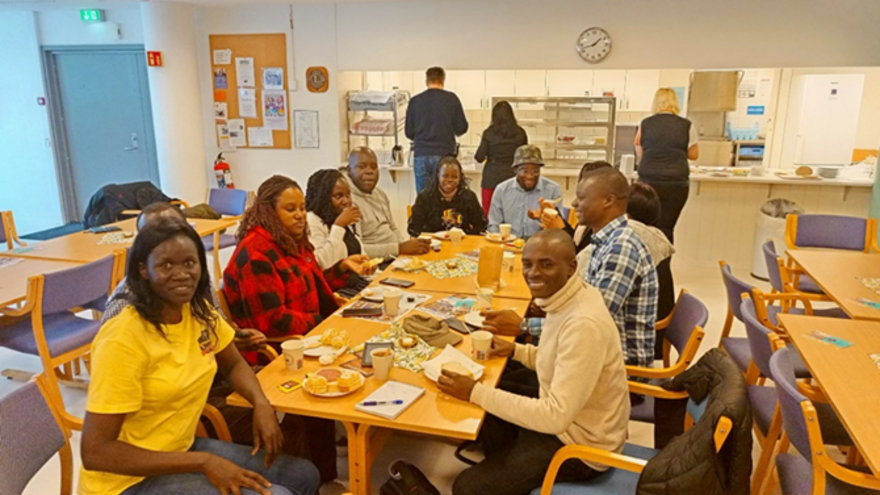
(514, 197)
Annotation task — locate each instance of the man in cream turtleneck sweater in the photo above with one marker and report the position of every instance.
(583, 395)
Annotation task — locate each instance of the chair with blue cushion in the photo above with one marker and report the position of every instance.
(789, 280)
(54, 332)
(831, 232)
(767, 419)
(230, 203)
(809, 470)
(735, 347)
(31, 433)
(8, 234)
(684, 332)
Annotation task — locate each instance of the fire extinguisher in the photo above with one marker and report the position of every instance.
(223, 173)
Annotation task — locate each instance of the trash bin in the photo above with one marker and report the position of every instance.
(771, 224)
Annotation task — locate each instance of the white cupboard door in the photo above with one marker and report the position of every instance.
(531, 83)
(564, 83)
(402, 80)
(500, 83)
(611, 82)
(374, 80)
(470, 86)
(640, 88)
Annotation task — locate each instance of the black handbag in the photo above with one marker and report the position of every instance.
(407, 479)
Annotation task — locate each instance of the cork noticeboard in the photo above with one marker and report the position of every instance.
(267, 50)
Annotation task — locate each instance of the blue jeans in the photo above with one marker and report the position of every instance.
(288, 475)
(425, 168)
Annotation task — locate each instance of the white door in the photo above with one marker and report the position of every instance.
(829, 118)
(569, 83)
(640, 88)
(611, 82)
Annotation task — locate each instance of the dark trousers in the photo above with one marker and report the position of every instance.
(665, 301)
(673, 196)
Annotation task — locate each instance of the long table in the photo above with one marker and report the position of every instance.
(838, 273)
(83, 247)
(848, 377)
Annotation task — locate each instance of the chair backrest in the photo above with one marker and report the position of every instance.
(688, 314)
(772, 261)
(83, 285)
(29, 436)
(828, 231)
(790, 399)
(230, 202)
(735, 288)
(4, 235)
(759, 337)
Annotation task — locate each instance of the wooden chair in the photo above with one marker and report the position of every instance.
(831, 232)
(809, 470)
(53, 331)
(8, 234)
(33, 432)
(735, 347)
(788, 279)
(213, 416)
(268, 352)
(231, 204)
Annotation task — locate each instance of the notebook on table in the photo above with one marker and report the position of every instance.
(391, 391)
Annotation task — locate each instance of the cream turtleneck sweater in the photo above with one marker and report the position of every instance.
(583, 397)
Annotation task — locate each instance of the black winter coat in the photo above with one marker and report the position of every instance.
(112, 199)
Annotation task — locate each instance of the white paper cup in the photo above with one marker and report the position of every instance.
(504, 230)
(455, 235)
(481, 342)
(383, 359)
(507, 261)
(550, 213)
(484, 298)
(293, 354)
(391, 298)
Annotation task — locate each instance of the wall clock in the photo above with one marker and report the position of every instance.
(593, 45)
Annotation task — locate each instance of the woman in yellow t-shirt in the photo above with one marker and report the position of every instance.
(152, 367)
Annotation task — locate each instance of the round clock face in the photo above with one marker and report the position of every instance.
(593, 45)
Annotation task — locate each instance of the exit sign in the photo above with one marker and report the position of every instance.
(92, 15)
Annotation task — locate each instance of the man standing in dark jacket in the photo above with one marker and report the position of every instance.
(433, 119)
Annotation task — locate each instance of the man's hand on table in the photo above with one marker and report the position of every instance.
(456, 385)
(415, 246)
(503, 322)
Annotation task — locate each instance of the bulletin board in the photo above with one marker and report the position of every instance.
(267, 51)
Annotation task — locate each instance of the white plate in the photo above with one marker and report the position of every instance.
(319, 351)
(336, 393)
(510, 238)
(443, 235)
(429, 374)
(474, 319)
(433, 367)
(375, 294)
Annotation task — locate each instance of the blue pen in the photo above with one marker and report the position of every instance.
(381, 402)
(869, 303)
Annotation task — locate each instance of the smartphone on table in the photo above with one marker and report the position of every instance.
(104, 229)
(396, 282)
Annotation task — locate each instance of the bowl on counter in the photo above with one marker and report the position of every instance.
(827, 172)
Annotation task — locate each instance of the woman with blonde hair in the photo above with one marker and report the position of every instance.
(664, 144)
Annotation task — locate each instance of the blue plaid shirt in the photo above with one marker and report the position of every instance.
(624, 273)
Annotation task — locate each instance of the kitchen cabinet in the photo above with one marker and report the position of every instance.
(569, 82)
(640, 88)
(374, 80)
(609, 81)
(402, 80)
(530, 83)
(470, 86)
(500, 83)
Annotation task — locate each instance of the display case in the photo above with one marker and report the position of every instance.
(377, 114)
(569, 130)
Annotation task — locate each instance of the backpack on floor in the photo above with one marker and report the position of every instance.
(407, 479)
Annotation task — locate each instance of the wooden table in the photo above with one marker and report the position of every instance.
(838, 273)
(848, 377)
(14, 278)
(515, 287)
(432, 414)
(83, 247)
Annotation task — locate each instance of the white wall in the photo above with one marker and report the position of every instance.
(61, 25)
(28, 185)
(313, 43)
(525, 34)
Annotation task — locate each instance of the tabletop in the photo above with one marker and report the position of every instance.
(848, 376)
(514, 284)
(14, 277)
(838, 273)
(83, 247)
(434, 413)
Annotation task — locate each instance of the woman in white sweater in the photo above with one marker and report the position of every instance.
(583, 396)
(332, 218)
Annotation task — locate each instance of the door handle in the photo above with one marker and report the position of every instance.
(134, 143)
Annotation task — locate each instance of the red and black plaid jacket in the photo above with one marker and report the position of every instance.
(277, 292)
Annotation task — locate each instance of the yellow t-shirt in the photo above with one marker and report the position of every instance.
(160, 383)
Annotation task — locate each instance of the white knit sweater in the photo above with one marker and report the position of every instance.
(583, 398)
(329, 242)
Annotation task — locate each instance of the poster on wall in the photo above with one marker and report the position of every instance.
(223, 136)
(220, 80)
(305, 127)
(275, 109)
(244, 71)
(222, 57)
(221, 112)
(273, 78)
(247, 102)
(260, 137)
(237, 135)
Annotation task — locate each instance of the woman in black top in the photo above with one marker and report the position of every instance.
(447, 202)
(665, 142)
(499, 141)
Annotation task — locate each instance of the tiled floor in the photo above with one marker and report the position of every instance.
(432, 455)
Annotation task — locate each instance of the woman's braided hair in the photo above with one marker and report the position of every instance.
(262, 214)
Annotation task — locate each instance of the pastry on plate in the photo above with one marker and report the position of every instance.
(493, 237)
(317, 384)
(416, 264)
(456, 367)
(452, 264)
(406, 342)
(313, 344)
(348, 380)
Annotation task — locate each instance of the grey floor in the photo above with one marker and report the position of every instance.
(432, 455)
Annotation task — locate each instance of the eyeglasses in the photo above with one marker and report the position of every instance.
(534, 172)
